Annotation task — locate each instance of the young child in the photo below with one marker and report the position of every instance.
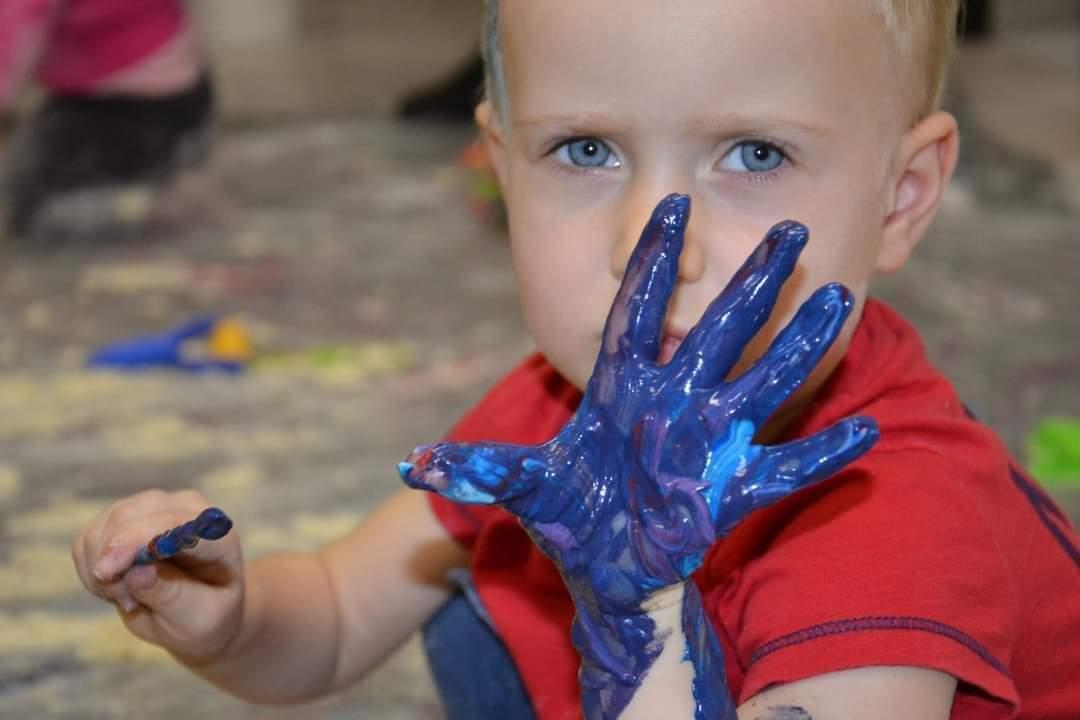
(127, 97)
(928, 579)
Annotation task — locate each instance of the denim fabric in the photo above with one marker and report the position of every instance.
(473, 670)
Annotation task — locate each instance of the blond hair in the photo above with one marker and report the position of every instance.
(922, 30)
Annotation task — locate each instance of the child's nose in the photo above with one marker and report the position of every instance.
(632, 219)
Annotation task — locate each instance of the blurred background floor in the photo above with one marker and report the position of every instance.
(345, 240)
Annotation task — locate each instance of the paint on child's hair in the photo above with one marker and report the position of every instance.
(659, 462)
(211, 524)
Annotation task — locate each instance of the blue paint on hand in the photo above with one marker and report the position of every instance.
(211, 524)
(658, 462)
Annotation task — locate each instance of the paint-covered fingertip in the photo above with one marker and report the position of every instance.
(864, 431)
(673, 211)
(677, 202)
(837, 294)
(791, 233)
(215, 524)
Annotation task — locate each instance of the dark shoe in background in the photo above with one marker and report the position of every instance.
(74, 143)
(976, 20)
(452, 100)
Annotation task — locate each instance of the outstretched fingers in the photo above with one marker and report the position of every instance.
(480, 474)
(781, 470)
(636, 320)
(715, 344)
(791, 358)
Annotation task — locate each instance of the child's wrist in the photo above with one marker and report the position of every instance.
(637, 635)
(665, 606)
(620, 649)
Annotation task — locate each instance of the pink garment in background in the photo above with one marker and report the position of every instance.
(74, 45)
(22, 32)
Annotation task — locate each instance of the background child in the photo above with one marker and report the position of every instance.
(127, 97)
(872, 591)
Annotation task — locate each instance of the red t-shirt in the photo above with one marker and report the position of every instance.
(933, 550)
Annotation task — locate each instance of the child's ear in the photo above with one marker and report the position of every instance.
(927, 159)
(491, 132)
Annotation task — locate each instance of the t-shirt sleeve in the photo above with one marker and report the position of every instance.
(527, 406)
(891, 563)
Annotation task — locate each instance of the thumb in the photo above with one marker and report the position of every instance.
(188, 581)
(154, 589)
(173, 593)
(480, 473)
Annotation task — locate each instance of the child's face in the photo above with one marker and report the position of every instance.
(760, 110)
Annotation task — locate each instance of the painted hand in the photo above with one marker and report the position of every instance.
(659, 462)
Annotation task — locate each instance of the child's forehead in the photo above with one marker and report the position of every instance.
(915, 38)
(699, 33)
(739, 51)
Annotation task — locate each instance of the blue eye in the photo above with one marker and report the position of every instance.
(754, 157)
(587, 153)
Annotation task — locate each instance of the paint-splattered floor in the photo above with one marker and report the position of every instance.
(349, 236)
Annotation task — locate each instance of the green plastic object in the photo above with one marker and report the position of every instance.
(1054, 452)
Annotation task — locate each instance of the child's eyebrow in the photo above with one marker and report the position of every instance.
(756, 123)
(582, 120)
(728, 122)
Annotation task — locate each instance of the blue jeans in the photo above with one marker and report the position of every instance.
(473, 670)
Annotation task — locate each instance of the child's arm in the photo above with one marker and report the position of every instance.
(883, 693)
(287, 627)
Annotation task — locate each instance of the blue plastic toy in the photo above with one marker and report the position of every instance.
(173, 350)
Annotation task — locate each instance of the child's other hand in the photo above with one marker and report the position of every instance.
(659, 461)
(190, 605)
